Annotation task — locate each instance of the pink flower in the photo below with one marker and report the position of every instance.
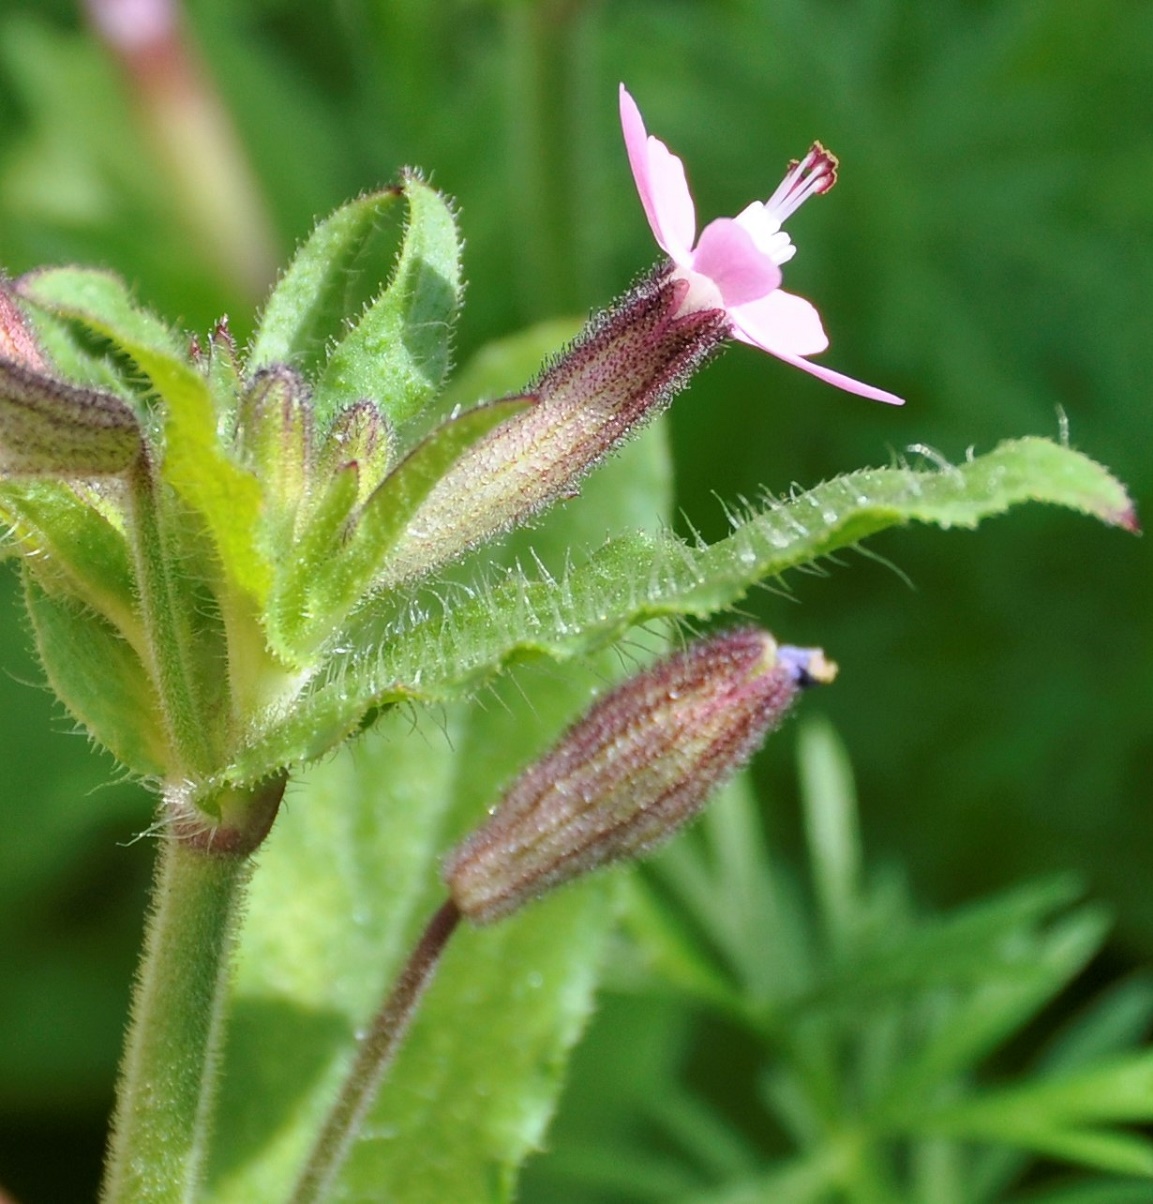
(735, 265)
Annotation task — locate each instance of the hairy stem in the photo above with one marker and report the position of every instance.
(373, 1058)
(166, 637)
(167, 1079)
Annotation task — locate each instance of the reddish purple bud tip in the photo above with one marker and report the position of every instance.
(17, 342)
(1127, 519)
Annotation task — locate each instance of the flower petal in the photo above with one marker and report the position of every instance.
(661, 183)
(841, 381)
(729, 257)
(789, 327)
(781, 324)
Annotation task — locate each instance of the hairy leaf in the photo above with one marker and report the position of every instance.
(100, 677)
(226, 495)
(397, 353)
(432, 650)
(311, 303)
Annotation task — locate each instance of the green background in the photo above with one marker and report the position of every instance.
(988, 253)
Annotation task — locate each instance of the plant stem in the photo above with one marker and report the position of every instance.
(373, 1058)
(167, 1079)
(167, 641)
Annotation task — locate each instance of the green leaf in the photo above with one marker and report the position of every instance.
(397, 354)
(834, 839)
(1016, 983)
(805, 1180)
(195, 461)
(1109, 1150)
(75, 548)
(196, 465)
(1091, 1191)
(1109, 1025)
(633, 579)
(432, 652)
(731, 904)
(1119, 1091)
(342, 886)
(100, 678)
(671, 949)
(71, 359)
(968, 948)
(493, 1038)
(327, 577)
(102, 303)
(313, 301)
(1114, 1021)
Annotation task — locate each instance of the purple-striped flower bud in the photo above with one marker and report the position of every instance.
(621, 372)
(641, 762)
(51, 428)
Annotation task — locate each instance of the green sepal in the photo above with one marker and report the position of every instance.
(314, 301)
(73, 547)
(327, 577)
(397, 353)
(100, 678)
(432, 652)
(317, 544)
(197, 466)
(392, 505)
(196, 463)
(224, 372)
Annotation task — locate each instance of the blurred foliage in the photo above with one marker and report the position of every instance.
(987, 253)
(865, 1035)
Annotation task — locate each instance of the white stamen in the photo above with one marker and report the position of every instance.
(815, 173)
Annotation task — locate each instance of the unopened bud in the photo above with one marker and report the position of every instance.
(621, 372)
(641, 762)
(49, 427)
(359, 435)
(274, 434)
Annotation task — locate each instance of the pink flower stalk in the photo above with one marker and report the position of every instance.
(735, 265)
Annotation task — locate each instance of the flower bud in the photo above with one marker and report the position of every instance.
(641, 762)
(48, 427)
(274, 434)
(621, 372)
(273, 430)
(359, 435)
